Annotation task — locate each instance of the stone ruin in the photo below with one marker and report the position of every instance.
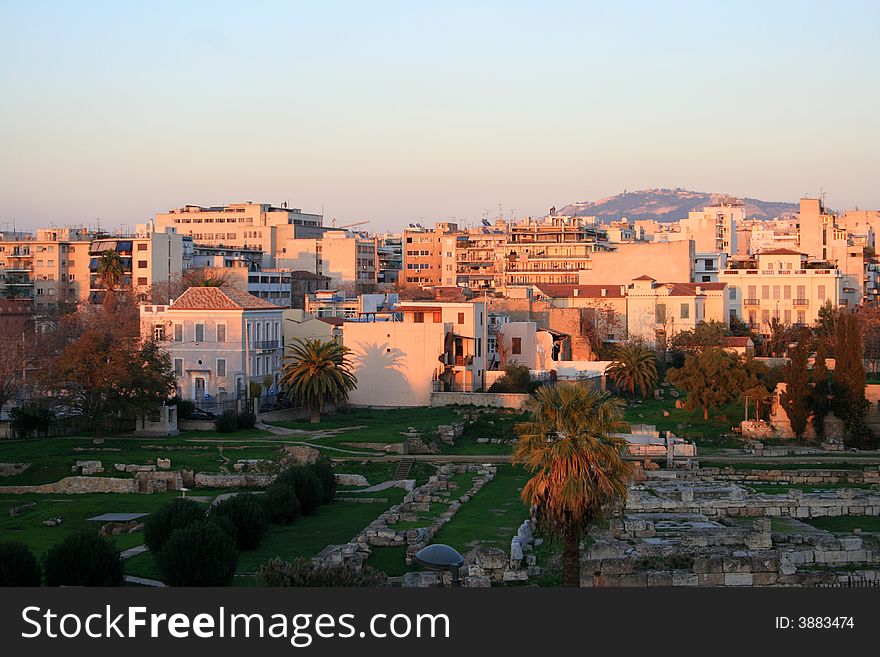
(87, 467)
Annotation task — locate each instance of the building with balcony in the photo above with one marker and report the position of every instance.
(781, 284)
(338, 303)
(429, 255)
(218, 338)
(345, 258)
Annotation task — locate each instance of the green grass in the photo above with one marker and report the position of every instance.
(498, 425)
(716, 431)
(846, 524)
(73, 510)
(781, 489)
(337, 522)
(143, 565)
(492, 517)
(378, 471)
(785, 465)
(390, 560)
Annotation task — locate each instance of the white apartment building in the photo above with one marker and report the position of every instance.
(707, 266)
(218, 338)
(781, 283)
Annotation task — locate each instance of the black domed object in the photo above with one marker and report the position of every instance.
(441, 557)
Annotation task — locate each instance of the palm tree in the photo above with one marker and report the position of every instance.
(317, 373)
(111, 269)
(634, 366)
(579, 473)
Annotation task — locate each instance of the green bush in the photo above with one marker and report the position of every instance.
(18, 565)
(324, 471)
(177, 514)
(32, 419)
(249, 517)
(305, 483)
(245, 420)
(227, 422)
(282, 505)
(199, 555)
(84, 558)
(516, 379)
(302, 572)
(185, 407)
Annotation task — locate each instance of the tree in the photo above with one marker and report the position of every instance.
(303, 572)
(712, 378)
(282, 505)
(634, 366)
(248, 515)
(849, 380)
(826, 325)
(317, 373)
(177, 514)
(84, 558)
(111, 270)
(704, 334)
(795, 400)
(820, 395)
(517, 378)
(201, 554)
(324, 472)
(18, 340)
(18, 565)
(781, 336)
(577, 467)
(306, 485)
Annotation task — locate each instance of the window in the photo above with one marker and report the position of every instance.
(802, 316)
(786, 292)
(661, 313)
(685, 311)
(221, 367)
(178, 332)
(516, 345)
(821, 293)
(159, 332)
(479, 348)
(787, 317)
(733, 294)
(461, 318)
(419, 317)
(801, 291)
(178, 366)
(765, 291)
(142, 280)
(765, 316)
(142, 264)
(437, 317)
(142, 246)
(200, 333)
(775, 291)
(221, 333)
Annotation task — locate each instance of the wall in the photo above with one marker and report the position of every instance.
(662, 261)
(490, 399)
(76, 486)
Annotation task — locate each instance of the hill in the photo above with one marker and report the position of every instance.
(669, 205)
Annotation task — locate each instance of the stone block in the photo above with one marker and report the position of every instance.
(737, 579)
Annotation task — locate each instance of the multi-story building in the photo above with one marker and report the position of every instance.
(345, 258)
(707, 266)
(258, 226)
(781, 284)
(429, 255)
(434, 346)
(389, 251)
(480, 257)
(337, 303)
(669, 261)
(655, 312)
(713, 228)
(50, 268)
(218, 338)
(147, 258)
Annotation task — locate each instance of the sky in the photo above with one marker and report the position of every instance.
(395, 112)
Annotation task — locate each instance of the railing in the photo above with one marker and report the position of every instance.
(266, 344)
(801, 302)
(751, 302)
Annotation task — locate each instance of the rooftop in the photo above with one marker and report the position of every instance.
(219, 298)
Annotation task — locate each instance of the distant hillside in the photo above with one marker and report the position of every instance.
(669, 205)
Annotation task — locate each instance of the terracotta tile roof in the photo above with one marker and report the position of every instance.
(644, 277)
(219, 298)
(300, 275)
(690, 289)
(737, 341)
(781, 252)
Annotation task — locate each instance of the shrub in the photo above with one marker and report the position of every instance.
(199, 555)
(245, 420)
(305, 483)
(516, 379)
(302, 572)
(18, 565)
(282, 505)
(177, 514)
(185, 407)
(249, 517)
(84, 559)
(31, 419)
(324, 471)
(227, 422)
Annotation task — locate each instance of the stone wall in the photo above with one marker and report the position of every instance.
(869, 475)
(243, 480)
(490, 399)
(77, 485)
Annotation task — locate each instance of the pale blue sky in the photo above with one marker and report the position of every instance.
(391, 111)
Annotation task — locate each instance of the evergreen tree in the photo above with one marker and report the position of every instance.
(795, 399)
(821, 391)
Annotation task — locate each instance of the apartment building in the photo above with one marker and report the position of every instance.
(655, 312)
(253, 226)
(345, 258)
(433, 346)
(429, 255)
(218, 338)
(707, 266)
(338, 303)
(389, 251)
(669, 261)
(49, 268)
(480, 257)
(781, 283)
(147, 258)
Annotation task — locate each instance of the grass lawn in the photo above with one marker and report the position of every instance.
(390, 560)
(491, 518)
(337, 522)
(781, 489)
(846, 524)
(73, 510)
(52, 458)
(378, 471)
(713, 431)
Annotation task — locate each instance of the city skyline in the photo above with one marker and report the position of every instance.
(424, 114)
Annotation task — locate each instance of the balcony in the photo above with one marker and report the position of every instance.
(801, 302)
(265, 344)
(751, 302)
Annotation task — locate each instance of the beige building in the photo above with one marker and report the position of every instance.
(429, 255)
(781, 283)
(435, 346)
(343, 257)
(671, 261)
(656, 312)
(298, 325)
(218, 338)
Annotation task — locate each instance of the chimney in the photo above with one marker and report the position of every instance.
(604, 292)
(699, 290)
